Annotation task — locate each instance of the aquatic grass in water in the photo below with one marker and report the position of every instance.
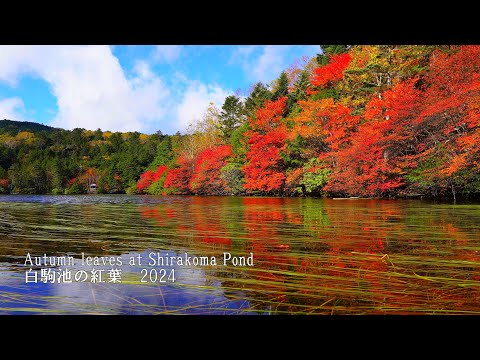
(311, 256)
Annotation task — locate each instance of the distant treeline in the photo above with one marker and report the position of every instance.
(43, 160)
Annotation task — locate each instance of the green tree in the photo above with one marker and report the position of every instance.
(314, 177)
(281, 86)
(239, 143)
(231, 117)
(116, 142)
(164, 155)
(55, 175)
(299, 91)
(328, 50)
(257, 97)
(234, 176)
(98, 135)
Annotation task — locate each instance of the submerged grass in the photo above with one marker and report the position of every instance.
(311, 257)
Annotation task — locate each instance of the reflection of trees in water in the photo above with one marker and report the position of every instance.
(311, 255)
(209, 223)
(322, 255)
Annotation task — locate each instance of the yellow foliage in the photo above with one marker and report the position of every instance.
(200, 134)
(371, 71)
(306, 122)
(56, 148)
(4, 138)
(96, 143)
(24, 135)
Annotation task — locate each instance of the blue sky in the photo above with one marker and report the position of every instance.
(134, 87)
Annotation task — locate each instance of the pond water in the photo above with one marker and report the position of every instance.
(292, 255)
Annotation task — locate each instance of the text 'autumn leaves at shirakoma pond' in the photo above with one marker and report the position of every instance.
(153, 259)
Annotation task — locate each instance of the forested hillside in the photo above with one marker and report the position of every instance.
(39, 160)
(13, 127)
(370, 121)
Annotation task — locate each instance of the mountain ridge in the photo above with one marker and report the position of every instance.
(14, 127)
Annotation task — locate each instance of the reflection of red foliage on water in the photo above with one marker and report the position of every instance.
(159, 213)
(353, 229)
(151, 213)
(455, 233)
(148, 212)
(348, 260)
(210, 232)
(263, 216)
(170, 213)
(293, 218)
(208, 228)
(262, 201)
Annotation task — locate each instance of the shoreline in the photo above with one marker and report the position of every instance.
(335, 198)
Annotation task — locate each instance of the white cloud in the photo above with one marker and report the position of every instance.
(261, 63)
(270, 63)
(93, 91)
(196, 100)
(91, 88)
(13, 63)
(12, 109)
(180, 77)
(167, 53)
(143, 71)
(242, 53)
(265, 62)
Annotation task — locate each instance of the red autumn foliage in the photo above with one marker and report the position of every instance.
(178, 179)
(206, 178)
(71, 181)
(325, 75)
(266, 139)
(264, 168)
(371, 165)
(4, 183)
(146, 180)
(412, 125)
(452, 107)
(149, 177)
(422, 133)
(337, 123)
(293, 178)
(269, 116)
